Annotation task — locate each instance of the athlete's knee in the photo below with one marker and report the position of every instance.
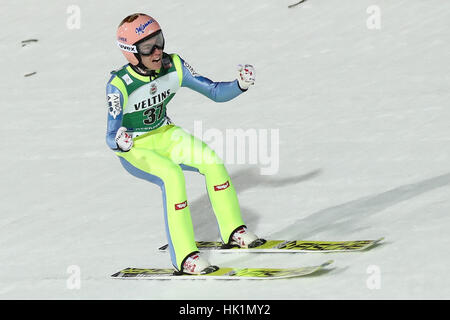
(215, 168)
(210, 157)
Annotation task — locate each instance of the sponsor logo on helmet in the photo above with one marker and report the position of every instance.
(180, 206)
(141, 28)
(114, 106)
(221, 186)
(127, 47)
(123, 39)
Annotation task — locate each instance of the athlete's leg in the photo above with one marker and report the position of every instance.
(148, 164)
(191, 151)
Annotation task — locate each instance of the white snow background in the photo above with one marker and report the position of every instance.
(364, 148)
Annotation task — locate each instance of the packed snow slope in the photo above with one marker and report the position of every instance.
(364, 146)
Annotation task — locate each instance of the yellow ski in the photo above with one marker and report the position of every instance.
(220, 274)
(274, 246)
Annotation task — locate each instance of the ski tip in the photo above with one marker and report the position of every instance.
(375, 242)
(164, 247)
(117, 275)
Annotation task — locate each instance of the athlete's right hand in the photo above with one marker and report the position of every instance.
(123, 139)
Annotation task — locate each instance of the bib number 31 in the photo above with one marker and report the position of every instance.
(154, 114)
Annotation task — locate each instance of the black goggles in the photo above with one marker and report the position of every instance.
(148, 45)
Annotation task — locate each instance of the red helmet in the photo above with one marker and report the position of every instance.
(133, 29)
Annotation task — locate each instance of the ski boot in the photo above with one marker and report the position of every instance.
(245, 239)
(196, 264)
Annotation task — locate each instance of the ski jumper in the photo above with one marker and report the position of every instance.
(161, 150)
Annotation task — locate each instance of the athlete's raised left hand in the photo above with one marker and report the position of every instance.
(246, 76)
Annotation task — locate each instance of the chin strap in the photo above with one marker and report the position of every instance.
(140, 68)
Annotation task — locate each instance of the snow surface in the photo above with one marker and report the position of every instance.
(364, 147)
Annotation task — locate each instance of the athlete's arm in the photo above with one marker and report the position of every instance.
(114, 98)
(216, 91)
